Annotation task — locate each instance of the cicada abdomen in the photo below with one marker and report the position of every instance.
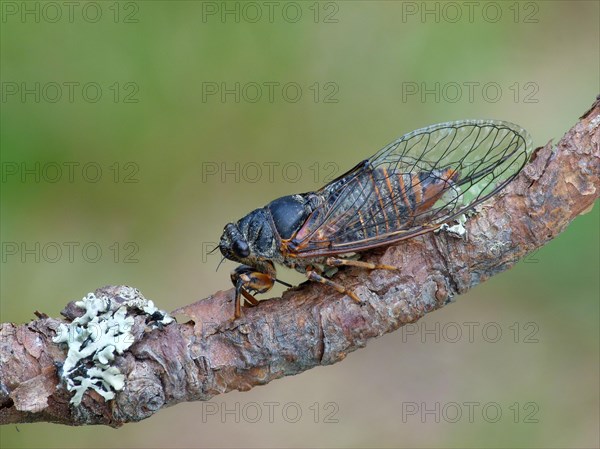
(414, 185)
(392, 201)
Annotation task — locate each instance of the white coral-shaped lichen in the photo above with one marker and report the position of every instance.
(94, 338)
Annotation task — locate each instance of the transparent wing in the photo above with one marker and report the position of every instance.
(414, 185)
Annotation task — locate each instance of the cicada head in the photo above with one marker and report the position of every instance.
(249, 240)
(233, 244)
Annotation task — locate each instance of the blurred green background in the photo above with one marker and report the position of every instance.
(114, 139)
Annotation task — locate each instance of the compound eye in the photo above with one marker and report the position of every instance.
(240, 248)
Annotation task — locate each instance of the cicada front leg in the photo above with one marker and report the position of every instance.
(248, 279)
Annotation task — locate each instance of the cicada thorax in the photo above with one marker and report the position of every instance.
(265, 229)
(288, 215)
(260, 236)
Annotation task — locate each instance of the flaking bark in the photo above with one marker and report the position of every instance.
(311, 325)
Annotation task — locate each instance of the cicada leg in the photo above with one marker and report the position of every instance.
(246, 278)
(252, 301)
(314, 276)
(336, 262)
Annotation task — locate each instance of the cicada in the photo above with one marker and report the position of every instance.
(412, 186)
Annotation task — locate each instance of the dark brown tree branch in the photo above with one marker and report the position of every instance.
(310, 325)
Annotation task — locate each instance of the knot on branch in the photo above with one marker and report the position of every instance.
(141, 397)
